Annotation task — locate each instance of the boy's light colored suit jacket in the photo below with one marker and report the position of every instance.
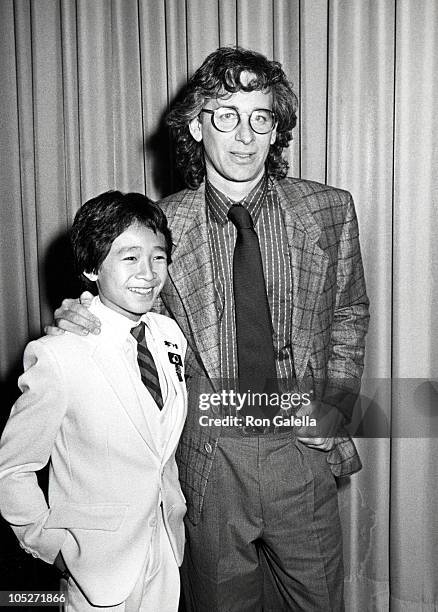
(81, 405)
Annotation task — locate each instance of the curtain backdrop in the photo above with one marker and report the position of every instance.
(84, 86)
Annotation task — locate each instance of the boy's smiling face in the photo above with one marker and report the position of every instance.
(134, 271)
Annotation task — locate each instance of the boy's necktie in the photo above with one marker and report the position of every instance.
(255, 350)
(146, 363)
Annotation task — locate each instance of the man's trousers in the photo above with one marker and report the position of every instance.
(269, 537)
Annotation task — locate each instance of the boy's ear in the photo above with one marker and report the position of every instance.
(91, 276)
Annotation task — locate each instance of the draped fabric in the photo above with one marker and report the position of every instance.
(84, 88)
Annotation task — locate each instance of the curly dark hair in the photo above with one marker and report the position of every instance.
(100, 220)
(220, 73)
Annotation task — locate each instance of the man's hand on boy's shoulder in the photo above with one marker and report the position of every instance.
(74, 316)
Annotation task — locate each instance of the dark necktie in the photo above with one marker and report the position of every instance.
(148, 369)
(255, 351)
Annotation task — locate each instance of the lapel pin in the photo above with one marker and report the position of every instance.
(167, 343)
(176, 360)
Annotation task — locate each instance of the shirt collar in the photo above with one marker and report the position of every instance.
(117, 324)
(219, 204)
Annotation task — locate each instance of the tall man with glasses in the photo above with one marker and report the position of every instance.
(267, 285)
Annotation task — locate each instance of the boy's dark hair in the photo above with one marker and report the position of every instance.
(100, 220)
(219, 75)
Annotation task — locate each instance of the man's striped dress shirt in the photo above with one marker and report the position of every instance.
(263, 205)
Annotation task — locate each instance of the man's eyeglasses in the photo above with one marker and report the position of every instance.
(227, 118)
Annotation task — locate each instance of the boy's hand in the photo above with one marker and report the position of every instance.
(73, 316)
(60, 565)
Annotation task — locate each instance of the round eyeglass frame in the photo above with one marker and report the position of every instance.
(212, 113)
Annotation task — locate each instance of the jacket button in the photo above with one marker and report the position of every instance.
(208, 447)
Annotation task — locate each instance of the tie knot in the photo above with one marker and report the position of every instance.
(240, 217)
(138, 332)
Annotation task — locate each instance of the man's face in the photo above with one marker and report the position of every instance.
(134, 271)
(240, 155)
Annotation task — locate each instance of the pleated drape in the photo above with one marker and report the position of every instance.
(414, 465)
(84, 87)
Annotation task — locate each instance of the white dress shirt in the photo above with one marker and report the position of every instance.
(161, 422)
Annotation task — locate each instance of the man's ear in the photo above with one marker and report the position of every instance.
(195, 127)
(91, 276)
(273, 136)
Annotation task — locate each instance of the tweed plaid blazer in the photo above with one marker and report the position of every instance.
(329, 314)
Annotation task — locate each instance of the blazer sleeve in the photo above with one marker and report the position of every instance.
(350, 322)
(25, 448)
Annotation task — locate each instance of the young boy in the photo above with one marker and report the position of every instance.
(107, 411)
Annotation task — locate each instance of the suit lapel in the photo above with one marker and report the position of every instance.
(309, 266)
(191, 281)
(172, 380)
(116, 372)
(191, 275)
